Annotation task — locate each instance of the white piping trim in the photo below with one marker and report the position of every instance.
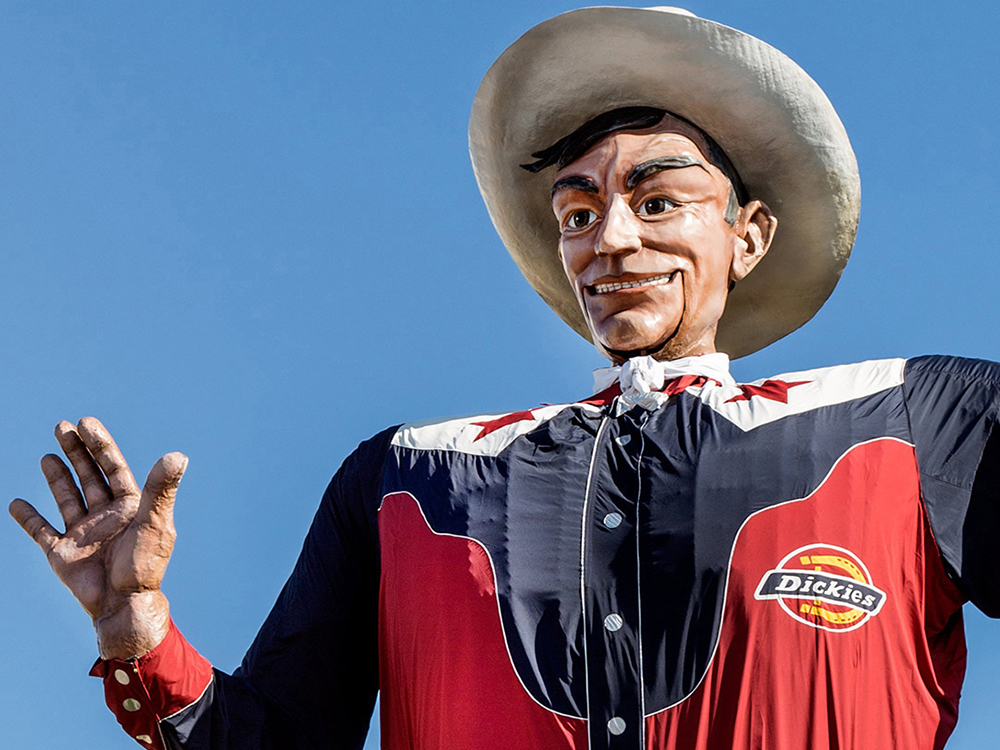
(496, 595)
(210, 681)
(725, 594)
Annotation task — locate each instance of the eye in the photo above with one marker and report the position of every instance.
(580, 219)
(655, 206)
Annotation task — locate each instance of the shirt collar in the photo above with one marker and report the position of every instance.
(645, 374)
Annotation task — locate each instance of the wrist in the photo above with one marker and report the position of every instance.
(132, 626)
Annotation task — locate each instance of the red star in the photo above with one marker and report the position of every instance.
(773, 390)
(681, 384)
(495, 424)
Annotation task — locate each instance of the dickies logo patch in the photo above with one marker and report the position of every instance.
(824, 586)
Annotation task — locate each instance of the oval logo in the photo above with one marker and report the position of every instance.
(824, 586)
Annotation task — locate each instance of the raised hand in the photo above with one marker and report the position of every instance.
(118, 540)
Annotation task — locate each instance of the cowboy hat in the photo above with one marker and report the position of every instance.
(772, 120)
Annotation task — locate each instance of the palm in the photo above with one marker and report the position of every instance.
(118, 540)
(92, 557)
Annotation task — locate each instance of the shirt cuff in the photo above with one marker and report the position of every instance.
(143, 691)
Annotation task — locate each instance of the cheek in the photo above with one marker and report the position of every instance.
(710, 254)
(706, 293)
(575, 258)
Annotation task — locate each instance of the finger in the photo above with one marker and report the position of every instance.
(95, 488)
(156, 508)
(64, 490)
(105, 452)
(37, 527)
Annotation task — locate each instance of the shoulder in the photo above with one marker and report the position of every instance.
(828, 385)
(362, 469)
(480, 434)
(943, 387)
(961, 368)
(760, 402)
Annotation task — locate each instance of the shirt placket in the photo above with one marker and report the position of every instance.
(611, 588)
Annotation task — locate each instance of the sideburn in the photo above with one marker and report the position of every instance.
(732, 207)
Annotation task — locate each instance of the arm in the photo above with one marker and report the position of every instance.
(311, 676)
(313, 667)
(953, 406)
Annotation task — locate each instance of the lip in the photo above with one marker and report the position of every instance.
(630, 283)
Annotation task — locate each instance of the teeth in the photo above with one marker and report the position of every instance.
(652, 281)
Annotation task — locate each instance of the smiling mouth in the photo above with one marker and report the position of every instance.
(620, 286)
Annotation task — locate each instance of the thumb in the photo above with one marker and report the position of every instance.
(156, 507)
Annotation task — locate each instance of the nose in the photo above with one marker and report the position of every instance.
(619, 230)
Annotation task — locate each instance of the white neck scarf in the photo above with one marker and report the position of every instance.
(645, 374)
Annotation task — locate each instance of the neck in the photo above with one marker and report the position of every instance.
(660, 354)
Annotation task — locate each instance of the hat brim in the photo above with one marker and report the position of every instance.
(772, 120)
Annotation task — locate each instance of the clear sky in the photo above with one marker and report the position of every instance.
(250, 232)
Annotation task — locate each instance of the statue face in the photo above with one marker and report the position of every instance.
(645, 242)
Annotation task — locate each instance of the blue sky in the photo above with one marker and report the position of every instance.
(251, 232)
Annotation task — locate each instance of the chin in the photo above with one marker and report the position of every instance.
(622, 339)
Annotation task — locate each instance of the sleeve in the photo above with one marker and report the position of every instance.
(953, 407)
(311, 676)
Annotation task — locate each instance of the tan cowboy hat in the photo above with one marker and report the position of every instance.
(772, 120)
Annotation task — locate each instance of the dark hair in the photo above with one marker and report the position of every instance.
(571, 147)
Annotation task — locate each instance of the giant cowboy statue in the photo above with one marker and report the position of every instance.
(678, 561)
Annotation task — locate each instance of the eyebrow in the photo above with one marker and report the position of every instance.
(647, 169)
(574, 183)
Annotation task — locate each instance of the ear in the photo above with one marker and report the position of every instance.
(754, 230)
